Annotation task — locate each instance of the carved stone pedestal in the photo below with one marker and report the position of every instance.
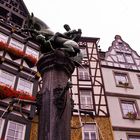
(55, 113)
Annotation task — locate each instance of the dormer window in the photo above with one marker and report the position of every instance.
(120, 57)
(125, 58)
(129, 58)
(120, 43)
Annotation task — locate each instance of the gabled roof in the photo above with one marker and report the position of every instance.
(121, 55)
(22, 4)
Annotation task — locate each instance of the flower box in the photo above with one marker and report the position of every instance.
(123, 84)
(132, 115)
(30, 60)
(3, 46)
(16, 54)
(7, 91)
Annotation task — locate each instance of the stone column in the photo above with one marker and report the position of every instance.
(55, 113)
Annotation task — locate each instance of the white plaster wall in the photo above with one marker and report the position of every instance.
(85, 82)
(120, 135)
(110, 84)
(116, 114)
(74, 80)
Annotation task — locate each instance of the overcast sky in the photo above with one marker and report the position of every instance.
(97, 18)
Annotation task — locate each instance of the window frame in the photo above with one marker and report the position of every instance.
(125, 57)
(133, 135)
(32, 49)
(14, 78)
(24, 129)
(138, 78)
(16, 44)
(85, 106)
(120, 83)
(19, 79)
(95, 131)
(83, 74)
(133, 103)
(119, 55)
(130, 55)
(5, 39)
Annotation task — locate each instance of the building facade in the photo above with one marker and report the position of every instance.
(121, 74)
(19, 79)
(18, 73)
(91, 121)
(105, 90)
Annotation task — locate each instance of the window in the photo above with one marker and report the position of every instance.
(90, 132)
(16, 19)
(86, 101)
(139, 78)
(129, 58)
(3, 11)
(125, 57)
(7, 78)
(84, 52)
(32, 52)
(3, 37)
(25, 85)
(122, 79)
(83, 74)
(129, 109)
(131, 137)
(120, 57)
(1, 126)
(15, 131)
(16, 44)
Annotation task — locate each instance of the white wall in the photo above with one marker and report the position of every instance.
(114, 104)
(110, 84)
(120, 135)
(116, 114)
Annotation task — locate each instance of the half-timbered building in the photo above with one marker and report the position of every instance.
(19, 78)
(105, 91)
(18, 73)
(91, 115)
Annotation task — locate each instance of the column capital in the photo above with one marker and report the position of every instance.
(55, 60)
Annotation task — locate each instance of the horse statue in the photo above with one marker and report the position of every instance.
(49, 41)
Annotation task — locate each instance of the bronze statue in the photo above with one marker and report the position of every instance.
(60, 55)
(65, 43)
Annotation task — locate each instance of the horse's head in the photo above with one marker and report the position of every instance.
(37, 24)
